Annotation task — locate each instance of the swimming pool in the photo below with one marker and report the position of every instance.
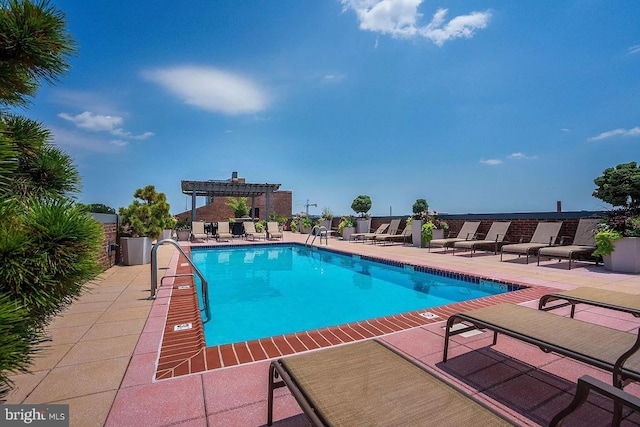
(268, 290)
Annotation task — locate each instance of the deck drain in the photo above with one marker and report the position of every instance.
(429, 315)
(184, 287)
(182, 327)
(468, 334)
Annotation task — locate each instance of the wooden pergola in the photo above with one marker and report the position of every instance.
(227, 188)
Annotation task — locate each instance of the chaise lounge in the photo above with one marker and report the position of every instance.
(583, 244)
(467, 232)
(364, 236)
(545, 234)
(403, 237)
(495, 236)
(223, 232)
(273, 231)
(250, 231)
(619, 301)
(609, 349)
(197, 231)
(368, 383)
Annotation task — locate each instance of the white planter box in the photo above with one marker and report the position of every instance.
(416, 232)
(363, 225)
(136, 250)
(625, 257)
(347, 232)
(166, 234)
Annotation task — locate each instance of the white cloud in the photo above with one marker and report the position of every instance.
(93, 122)
(522, 156)
(491, 162)
(634, 49)
(616, 132)
(119, 142)
(102, 123)
(211, 89)
(399, 18)
(333, 78)
(565, 130)
(66, 138)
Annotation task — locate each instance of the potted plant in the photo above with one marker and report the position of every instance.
(307, 224)
(143, 220)
(183, 229)
(618, 237)
(361, 206)
(425, 226)
(347, 227)
(326, 218)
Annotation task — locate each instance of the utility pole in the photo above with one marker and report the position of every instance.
(310, 204)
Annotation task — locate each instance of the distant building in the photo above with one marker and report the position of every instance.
(216, 193)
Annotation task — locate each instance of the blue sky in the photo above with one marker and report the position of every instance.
(481, 106)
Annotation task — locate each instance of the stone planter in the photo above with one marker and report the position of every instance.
(363, 225)
(625, 257)
(166, 234)
(136, 250)
(183, 235)
(416, 234)
(347, 232)
(326, 224)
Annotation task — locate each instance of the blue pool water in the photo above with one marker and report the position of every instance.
(262, 291)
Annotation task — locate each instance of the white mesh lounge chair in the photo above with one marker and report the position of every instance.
(495, 236)
(197, 231)
(403, 237)
(467, 232)
(273, 232)
(545, 234)
(583, 244)
(364, 236)
(250, 231)
(223, 231)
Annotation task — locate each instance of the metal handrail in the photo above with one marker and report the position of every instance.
(154, 273)
(320, 228)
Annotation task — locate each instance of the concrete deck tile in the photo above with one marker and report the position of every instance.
(149, 343)
(68, 335)
(48, 356)
(234, 387)
(79, 380)
(114, 329)
(89, 410)
(141, 370)
(125, 314)
(88, 307)
(67, 320)
(106, 348)
(24, 384)
(158, 404)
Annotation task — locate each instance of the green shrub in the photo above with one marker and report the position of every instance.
(18, 338)
(238, 205)
(147, 216)
(361, 204)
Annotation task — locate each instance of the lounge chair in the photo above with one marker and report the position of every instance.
(403, 237)
(545, 234)
(368, 383)
(495, 236)
(364, 236)
(467, 232)
(609, 349)
(619, 301)
(197, 231)
(583, 244)
(586, 384)
(223, 232)
(250, 231)
(273, 231)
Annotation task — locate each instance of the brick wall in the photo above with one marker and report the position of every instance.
(217, 210)
(110, 234)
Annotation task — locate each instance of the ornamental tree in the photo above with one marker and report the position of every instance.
(361, 204)
(420, 205)
(620, 186)
(148, 215)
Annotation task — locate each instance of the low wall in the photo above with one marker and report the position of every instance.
(109, 255)
(522, 224)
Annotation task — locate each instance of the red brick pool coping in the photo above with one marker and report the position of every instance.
(184, 352)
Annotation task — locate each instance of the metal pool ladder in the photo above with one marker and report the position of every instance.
(154, 273)
(318, 230)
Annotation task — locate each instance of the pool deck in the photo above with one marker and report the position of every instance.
(104, 349)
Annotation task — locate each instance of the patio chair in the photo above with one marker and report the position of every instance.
(368, 383)
(223, 231)
(273, 231)
(610, 349)
(467, 232)
(545, 234)
(364, 236)
(495, 236)
(619, 301)
(583, 244)
(250, 231)
(197, 231)
(403, 237)
(587, 384)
